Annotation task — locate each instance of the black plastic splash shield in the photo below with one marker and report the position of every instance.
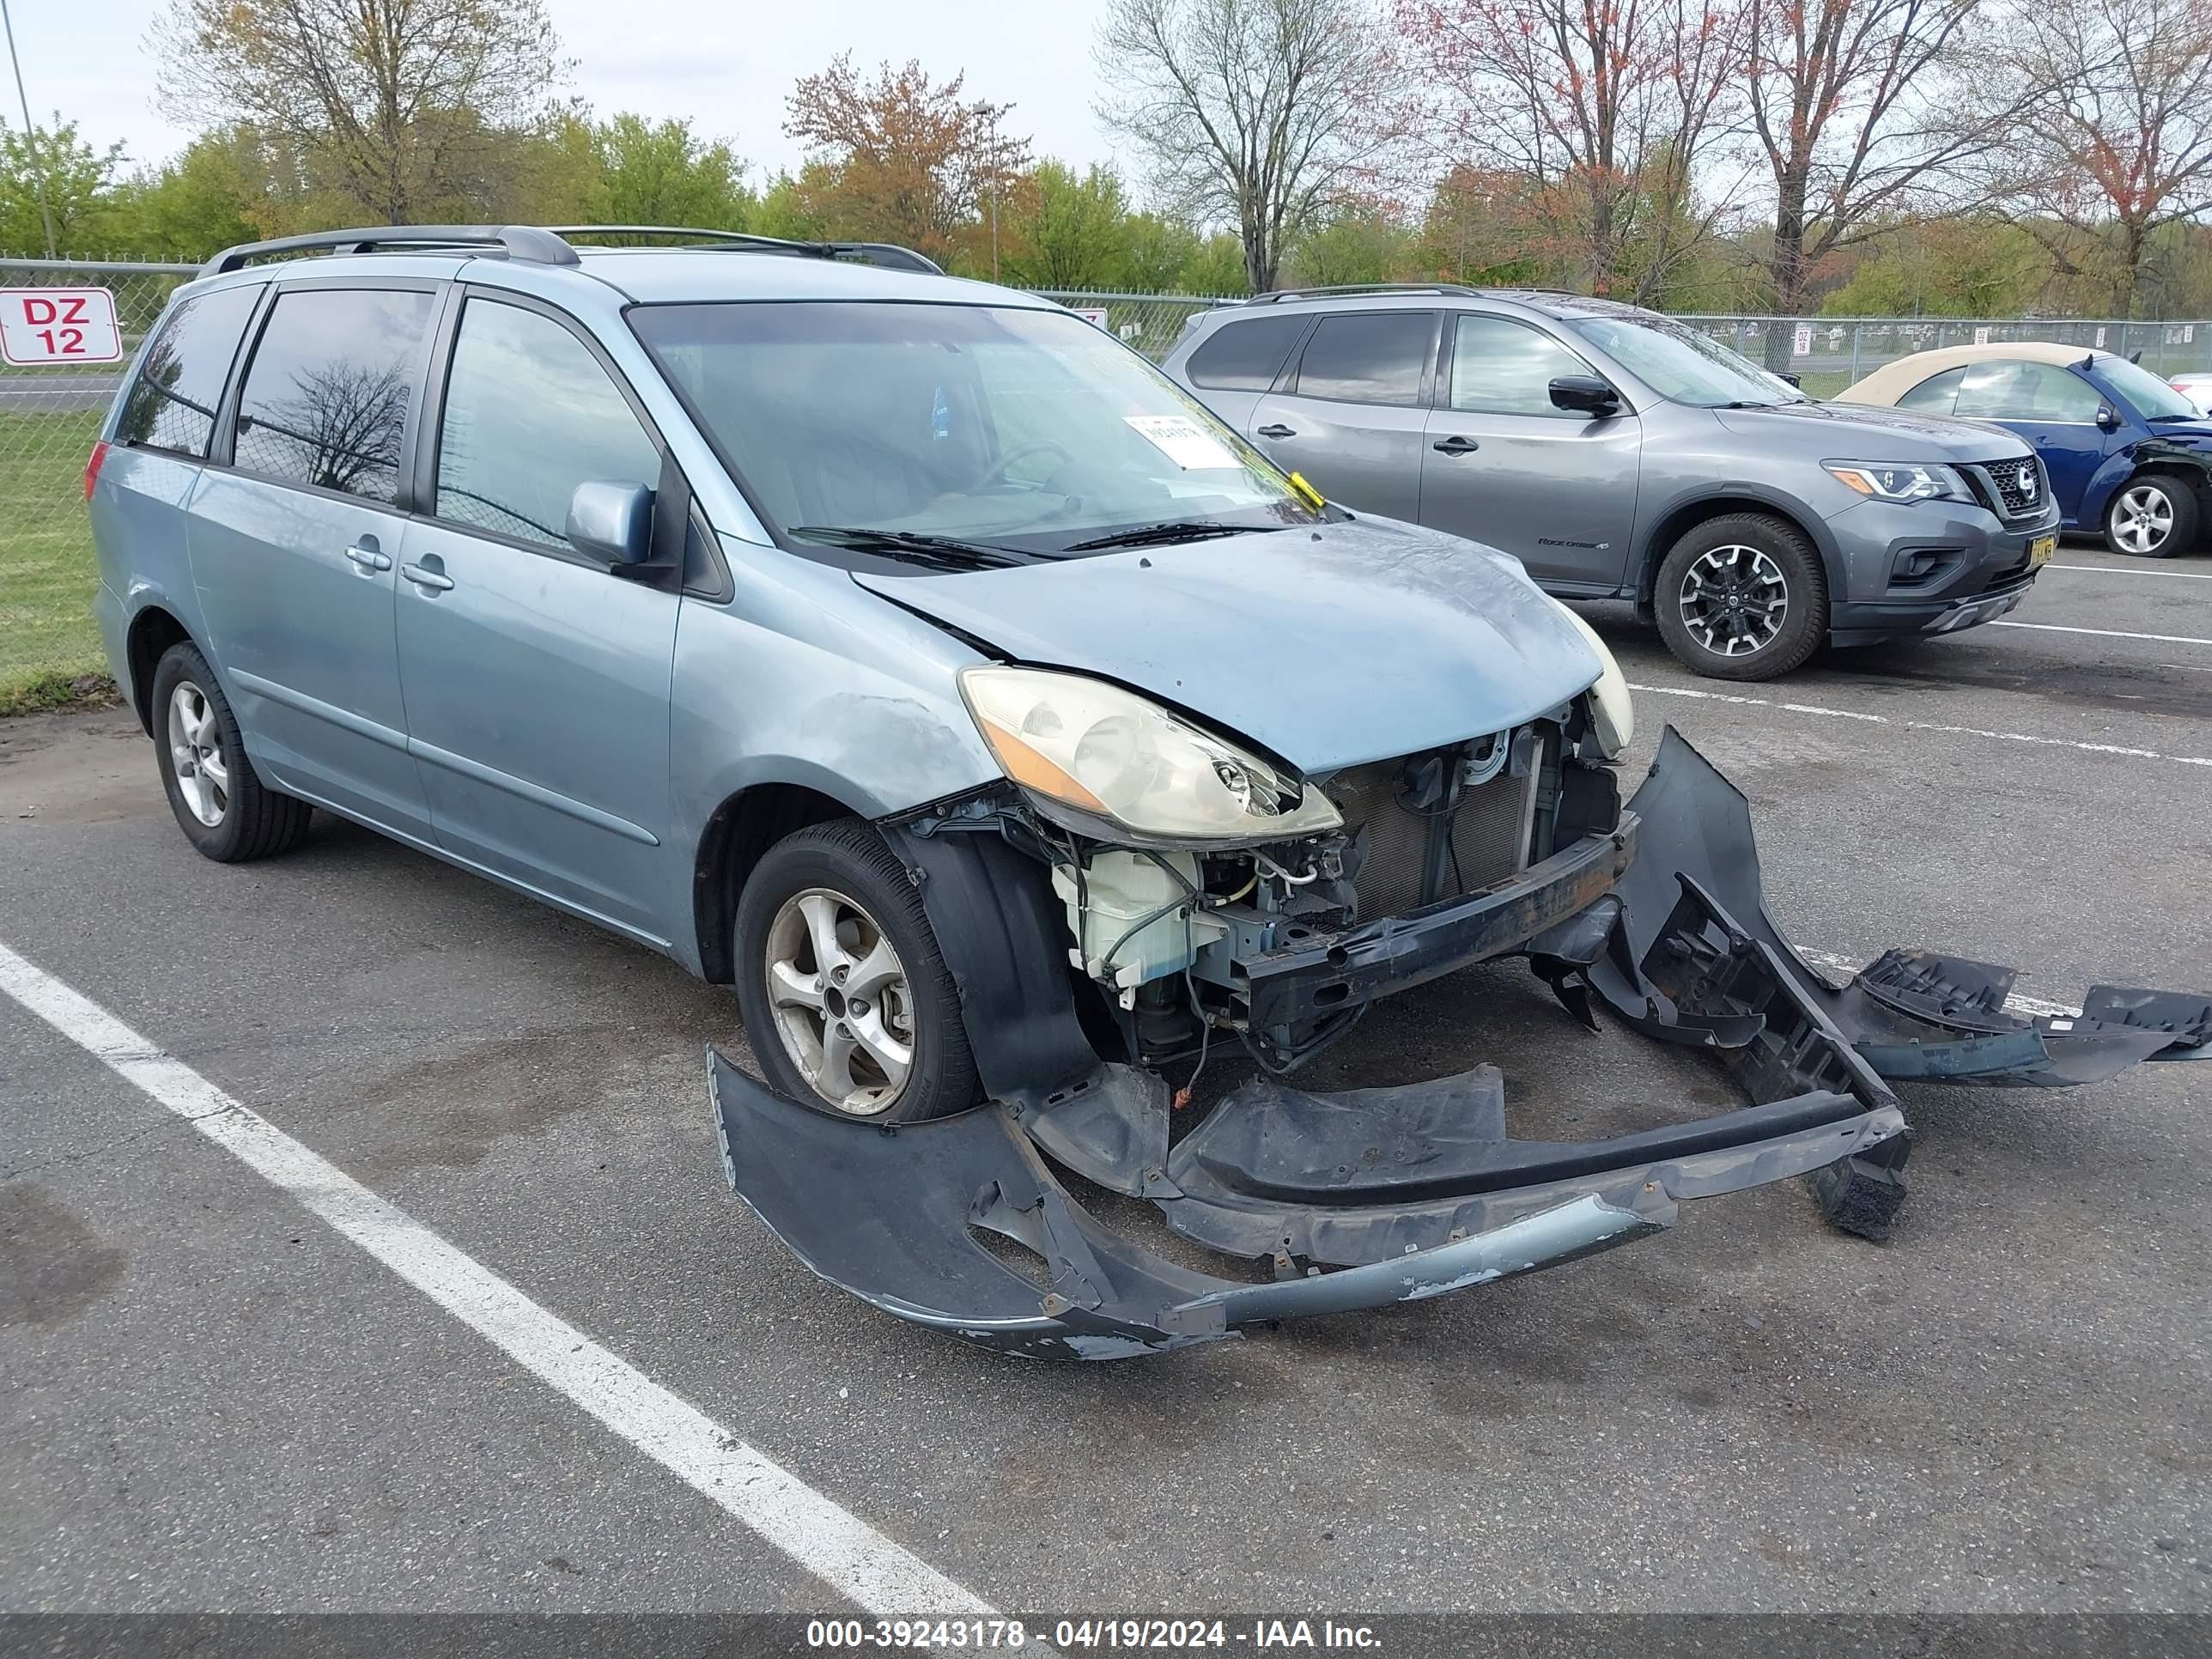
(894, 1215)
(1692, 902)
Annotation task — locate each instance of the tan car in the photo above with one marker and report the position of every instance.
(2126, 452)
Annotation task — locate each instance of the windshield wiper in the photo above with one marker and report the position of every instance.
(1169, 530)
(945, 552)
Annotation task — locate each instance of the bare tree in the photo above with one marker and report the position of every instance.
(2121, 144)
(1864, 111)
(403, 102)
(1259, 112)
(1609, 107)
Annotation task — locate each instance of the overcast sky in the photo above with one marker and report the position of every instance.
(725, 66)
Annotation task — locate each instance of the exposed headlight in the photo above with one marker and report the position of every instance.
(1114, 755)
(1612, 715)
(1891, 482)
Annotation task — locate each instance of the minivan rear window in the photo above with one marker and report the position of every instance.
(326, 396)
(1246, 356)
(180, 378)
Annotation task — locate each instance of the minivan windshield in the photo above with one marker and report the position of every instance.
(2154, 399)
(940, 433)
(1684, 366)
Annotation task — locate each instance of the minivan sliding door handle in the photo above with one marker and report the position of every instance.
(368, 558)
(423, 576)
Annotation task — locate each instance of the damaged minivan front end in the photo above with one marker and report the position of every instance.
(1223, 773)
(1091, 955)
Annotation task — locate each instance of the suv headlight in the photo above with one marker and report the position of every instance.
(1889, 481)
(1114, 755)
(1612, 715)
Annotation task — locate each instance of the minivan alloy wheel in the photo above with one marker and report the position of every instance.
(2142, 519)
(843, 1009)
(1734, 599)
(195, 751)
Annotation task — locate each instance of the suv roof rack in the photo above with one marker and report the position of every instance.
(1274, 295)
(548, 245)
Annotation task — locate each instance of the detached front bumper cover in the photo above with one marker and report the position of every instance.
(1692, 910)
(897, 1215)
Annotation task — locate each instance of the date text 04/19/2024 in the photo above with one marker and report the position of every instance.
(1086, 1635)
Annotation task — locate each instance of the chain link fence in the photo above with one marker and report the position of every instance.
(49, 416)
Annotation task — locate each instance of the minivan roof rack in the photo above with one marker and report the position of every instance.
(887, 254)
(548, 245)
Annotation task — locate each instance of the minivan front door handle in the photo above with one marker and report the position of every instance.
(364, 554)
(423, 577)
(1278, 430)
(1456, 445)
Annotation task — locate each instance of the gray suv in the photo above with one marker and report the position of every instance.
(1618, 453)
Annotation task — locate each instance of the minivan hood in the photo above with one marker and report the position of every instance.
(1330, 646)
(1896, 435)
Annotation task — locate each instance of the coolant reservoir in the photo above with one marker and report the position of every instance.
(1120, 889)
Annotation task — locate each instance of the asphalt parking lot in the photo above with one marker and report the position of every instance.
(215, 1400)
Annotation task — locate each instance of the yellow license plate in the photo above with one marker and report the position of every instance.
(2039, 552)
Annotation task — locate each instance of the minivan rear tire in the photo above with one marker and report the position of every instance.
(846, 870)
(1742, 557)
(249, 819)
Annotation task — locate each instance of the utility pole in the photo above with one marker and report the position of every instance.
(30, 132)
(994, 186)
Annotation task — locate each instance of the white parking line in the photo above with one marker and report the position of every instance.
(2106, 633)
(2123, 570)
(1921, 725)
(838, 1547)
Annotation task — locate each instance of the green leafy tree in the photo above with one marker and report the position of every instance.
(79, 188)
(217, 193)
(1066, 230)
(661, 172)
(1357, 246)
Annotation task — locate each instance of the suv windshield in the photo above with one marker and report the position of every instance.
(905, 428)
(2154, 399)
(1684, 366)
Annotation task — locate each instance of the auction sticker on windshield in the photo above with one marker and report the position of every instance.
(60, 326)
(1182, 440)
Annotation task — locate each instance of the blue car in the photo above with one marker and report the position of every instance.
(2127, 454)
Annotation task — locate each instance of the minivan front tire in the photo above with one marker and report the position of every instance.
(220, 802)
(1742, 597)
(846, 1001)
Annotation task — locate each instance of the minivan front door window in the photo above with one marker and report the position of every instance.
(529, 415)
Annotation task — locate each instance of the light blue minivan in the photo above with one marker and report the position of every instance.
(919, 659)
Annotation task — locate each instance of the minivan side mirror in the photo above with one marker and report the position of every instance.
(2108, 417)
(1586, 394)
(611, 520)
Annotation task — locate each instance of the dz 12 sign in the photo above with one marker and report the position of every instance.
(60, 326)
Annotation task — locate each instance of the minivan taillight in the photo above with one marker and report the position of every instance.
(92, 465)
